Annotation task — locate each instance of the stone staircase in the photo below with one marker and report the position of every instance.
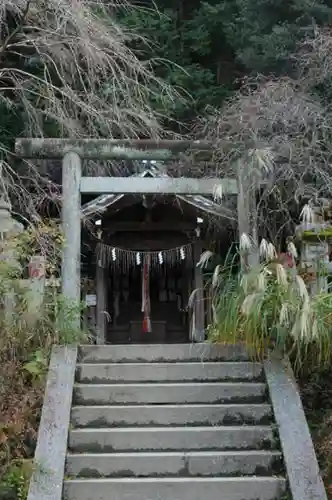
(171, 422)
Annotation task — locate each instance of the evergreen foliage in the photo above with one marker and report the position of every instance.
(206, 48)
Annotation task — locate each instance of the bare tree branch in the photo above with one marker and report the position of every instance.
(281, 130)
(67, 63)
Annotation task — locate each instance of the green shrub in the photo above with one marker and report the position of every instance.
(25, 346)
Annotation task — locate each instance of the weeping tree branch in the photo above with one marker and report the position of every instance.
(66, 70)
(282, 130)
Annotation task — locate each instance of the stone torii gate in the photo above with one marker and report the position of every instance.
(73, 152)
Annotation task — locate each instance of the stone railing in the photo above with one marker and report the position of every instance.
(305, 482)
(50, 455)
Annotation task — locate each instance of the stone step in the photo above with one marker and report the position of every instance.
(198, 463)
(154, 353)
(170, 415)
(239, 488)
(171, 438)
(167, 372)
(240, 392)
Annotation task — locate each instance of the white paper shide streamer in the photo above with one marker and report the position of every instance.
(125, 259)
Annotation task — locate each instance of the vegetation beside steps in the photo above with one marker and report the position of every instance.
(25, 344)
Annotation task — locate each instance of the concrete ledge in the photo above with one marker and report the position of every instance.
(47, 480)
(184, 488)
(127, 439)
(176, 393)
(111, 373)
(300, 459)
(170, 415)
(157, 353)
(175, 464)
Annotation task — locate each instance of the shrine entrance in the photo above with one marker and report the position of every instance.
(189, 190)
(167, 316)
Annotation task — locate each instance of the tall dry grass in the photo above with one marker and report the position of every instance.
(270, 308)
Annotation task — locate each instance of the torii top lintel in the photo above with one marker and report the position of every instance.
(110, 149)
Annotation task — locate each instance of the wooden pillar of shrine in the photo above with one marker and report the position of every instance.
(198, 332)
(101, 304)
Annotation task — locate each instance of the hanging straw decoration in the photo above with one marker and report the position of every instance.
(124, 259)
(146, 304)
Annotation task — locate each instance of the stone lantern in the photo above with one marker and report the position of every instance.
(316, 238)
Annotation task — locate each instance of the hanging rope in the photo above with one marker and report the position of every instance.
(124, 259)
